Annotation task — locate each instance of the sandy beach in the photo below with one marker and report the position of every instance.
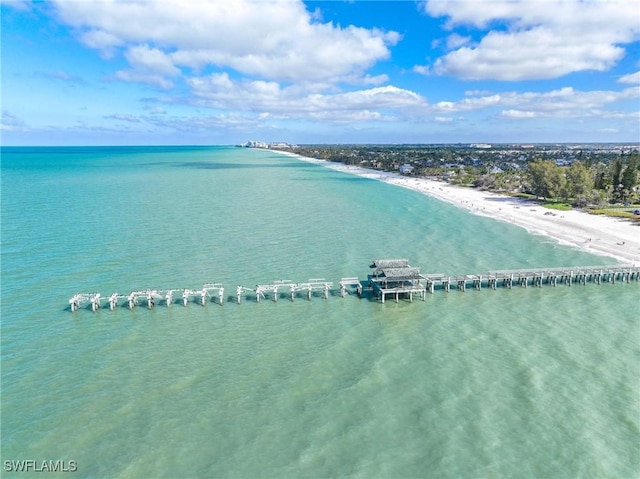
(616, 238)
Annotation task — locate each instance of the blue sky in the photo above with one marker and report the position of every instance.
(227, 71)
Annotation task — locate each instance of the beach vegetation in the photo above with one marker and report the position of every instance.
(557, 205)
(627, 213)
(557, 176)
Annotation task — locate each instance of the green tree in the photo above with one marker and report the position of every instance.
(547, 178)
(579, 183)
(629, 177)
(602, 180)
(616, 172)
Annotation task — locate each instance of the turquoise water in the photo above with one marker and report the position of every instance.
(536, 382)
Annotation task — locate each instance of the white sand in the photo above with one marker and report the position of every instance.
(617, 238)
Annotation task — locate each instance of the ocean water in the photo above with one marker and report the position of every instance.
(536, 382)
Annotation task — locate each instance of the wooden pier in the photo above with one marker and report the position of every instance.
(394, 278)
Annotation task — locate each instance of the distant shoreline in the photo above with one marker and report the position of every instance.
(599, 235)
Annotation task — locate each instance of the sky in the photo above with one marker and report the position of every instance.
(211, 72)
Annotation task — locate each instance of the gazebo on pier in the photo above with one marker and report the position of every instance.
(396, 276)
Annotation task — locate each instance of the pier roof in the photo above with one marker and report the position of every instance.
(394, 270)
(398, 273)
(390, 263)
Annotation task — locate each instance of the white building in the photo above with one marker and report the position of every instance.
(406, 169)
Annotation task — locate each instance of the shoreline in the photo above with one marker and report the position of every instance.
(600, 235)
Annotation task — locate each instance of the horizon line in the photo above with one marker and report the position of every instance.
(516, 143)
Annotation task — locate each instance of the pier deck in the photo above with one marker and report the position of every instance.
(395, 277)
(278, 286)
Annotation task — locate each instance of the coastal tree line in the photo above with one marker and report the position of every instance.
(599, 184)
(581, 177)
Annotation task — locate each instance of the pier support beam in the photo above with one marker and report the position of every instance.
(113, 301)
(74, 303)
(239, 290)
(95, 302)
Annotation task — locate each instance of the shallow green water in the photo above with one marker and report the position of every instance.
(507, 383)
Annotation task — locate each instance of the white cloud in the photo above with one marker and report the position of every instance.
(142, 57)
(149, 65)
(454, 40)
(103, 41)
(477, 93)
(381, 97)
(144, 77)
(632, 78)
(468, 104)
(274, 40)
(269, 98)
(537, 39)
(561, 103)
(422, 70)
(518, 114)
(374, 80)
(534, 54)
